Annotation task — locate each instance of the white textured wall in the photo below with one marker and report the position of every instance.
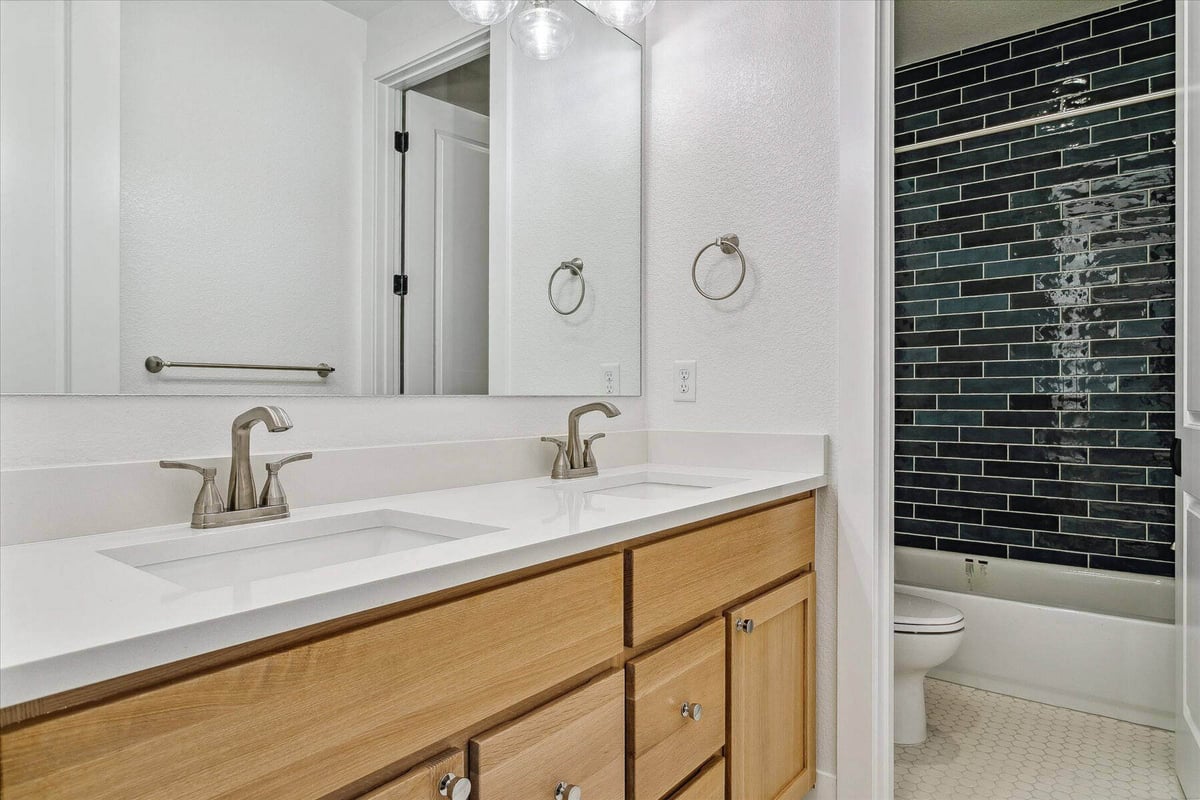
(574, 130)
(241, 222)
(742, 139)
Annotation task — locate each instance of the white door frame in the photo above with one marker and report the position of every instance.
(381, 184)
(1186, 727)
(84, 249)
(863, 471)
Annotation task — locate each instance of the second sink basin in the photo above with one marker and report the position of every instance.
(644, 485)
(241, 555)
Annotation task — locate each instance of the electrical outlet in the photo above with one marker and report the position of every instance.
(685, 381)
(610, 377)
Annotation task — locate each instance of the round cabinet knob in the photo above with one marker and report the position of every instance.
(568, 791)
(454, 786)
(745, 625)
(692, 711)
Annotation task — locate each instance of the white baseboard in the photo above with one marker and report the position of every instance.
(825, 788)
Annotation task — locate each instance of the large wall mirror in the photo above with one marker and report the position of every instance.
(375, 191)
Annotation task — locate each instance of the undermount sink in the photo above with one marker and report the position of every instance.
(242, 555)
(645, 486)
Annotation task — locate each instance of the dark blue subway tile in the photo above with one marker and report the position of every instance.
(992, 533)
(1131, 14)
(973, 548)
(1077, 490)
(1013, 519)
(1060, 557)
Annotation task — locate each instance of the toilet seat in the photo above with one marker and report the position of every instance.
(920, 615)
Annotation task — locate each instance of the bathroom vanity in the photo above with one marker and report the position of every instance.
(647, 633)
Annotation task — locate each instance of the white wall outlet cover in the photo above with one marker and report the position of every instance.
(684, 380)
(610, 377)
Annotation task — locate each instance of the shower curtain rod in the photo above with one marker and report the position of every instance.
(1024, 123)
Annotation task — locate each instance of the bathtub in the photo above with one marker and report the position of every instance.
(1088, 639)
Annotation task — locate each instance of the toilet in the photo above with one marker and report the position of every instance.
(927, 633)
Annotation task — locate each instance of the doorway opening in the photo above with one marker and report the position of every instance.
(442, 284)
(1038, 344)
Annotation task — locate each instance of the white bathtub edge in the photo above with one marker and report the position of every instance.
(1097, 663)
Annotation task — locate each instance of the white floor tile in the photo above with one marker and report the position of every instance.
(987, 746)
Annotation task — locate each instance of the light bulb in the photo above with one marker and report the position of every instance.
(483, 12)
(540, 31)
(620, 13)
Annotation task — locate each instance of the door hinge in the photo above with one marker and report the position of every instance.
(401, 141)
(400, 285)
(1177, 457)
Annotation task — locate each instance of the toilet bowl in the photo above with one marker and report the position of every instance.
(926, 634)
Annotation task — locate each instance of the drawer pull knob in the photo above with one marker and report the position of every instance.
(454, 786)
(692, 711)
(745, 625)
(567, 791)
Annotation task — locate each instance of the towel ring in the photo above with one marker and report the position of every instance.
(729, 245)
(575, 266)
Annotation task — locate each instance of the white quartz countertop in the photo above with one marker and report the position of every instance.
(70, 615)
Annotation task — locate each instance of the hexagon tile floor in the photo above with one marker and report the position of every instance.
(987, 746)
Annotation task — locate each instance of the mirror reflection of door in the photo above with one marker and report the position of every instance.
(444, 312)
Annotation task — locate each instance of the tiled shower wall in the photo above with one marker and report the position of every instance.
(1035, 297)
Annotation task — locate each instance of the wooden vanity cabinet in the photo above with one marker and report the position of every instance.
(687, 577)
(577, 740)
(676, 710)
(772, 693)
(709, 784)
(381, 709)
(428, 781)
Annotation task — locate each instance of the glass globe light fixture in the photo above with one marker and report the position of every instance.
(620, 13)
(483, 12)
(541, 31)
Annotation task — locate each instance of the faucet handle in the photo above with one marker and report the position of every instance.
(208, 501)
(589, 458)
(275, 466)
(559, 470)
(272, 491)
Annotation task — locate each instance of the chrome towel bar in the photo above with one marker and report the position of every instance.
(156, 364)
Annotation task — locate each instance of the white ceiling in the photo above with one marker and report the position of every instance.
(928, 28)
(363, 9)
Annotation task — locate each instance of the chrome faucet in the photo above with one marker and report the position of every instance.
(209, 510)
(576, 458)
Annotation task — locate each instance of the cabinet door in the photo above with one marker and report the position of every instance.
(772, 693)
(426, 781)
(577, 740)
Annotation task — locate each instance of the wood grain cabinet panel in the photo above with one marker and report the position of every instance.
(708, 785)
(423, 782)
(679, 580)
(664, 745)
(578, 739)
(312, 719)
(772, 693)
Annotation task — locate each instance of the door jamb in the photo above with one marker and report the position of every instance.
(863, 472)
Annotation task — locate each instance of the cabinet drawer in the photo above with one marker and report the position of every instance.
(664, 745)
(424, 782)
(680, 579)
(578, 739)
(312, 719)
(708, 785)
